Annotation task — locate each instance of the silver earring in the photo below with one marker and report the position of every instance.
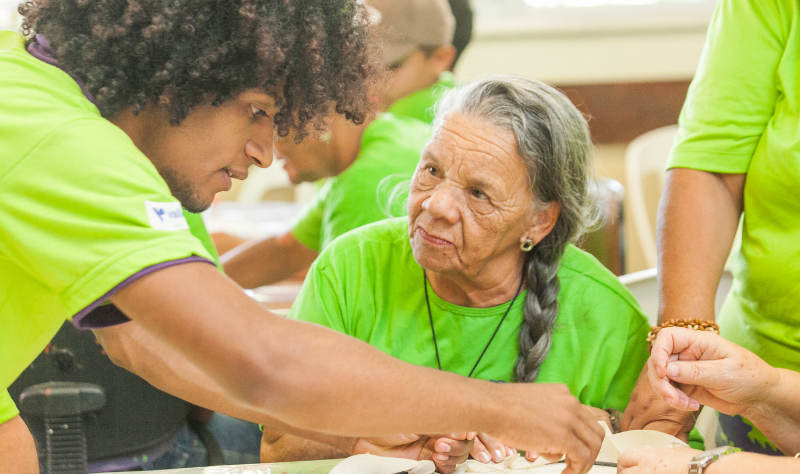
(527, 245)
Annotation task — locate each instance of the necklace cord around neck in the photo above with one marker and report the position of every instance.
(496, 330)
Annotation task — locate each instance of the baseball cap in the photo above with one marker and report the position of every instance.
(403, 25)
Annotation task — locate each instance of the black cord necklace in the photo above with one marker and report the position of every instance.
(433, 331)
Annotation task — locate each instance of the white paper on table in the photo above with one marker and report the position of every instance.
(370, 464)
(613, 446)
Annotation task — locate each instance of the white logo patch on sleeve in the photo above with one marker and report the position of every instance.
(165, 215)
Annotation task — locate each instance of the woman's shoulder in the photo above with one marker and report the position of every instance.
(580, 273)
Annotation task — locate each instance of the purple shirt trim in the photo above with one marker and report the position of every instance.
(39, 48)
(105, 316)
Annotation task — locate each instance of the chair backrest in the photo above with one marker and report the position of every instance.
(607, 242)
(645, 169)
(136, 417)
(644, 287)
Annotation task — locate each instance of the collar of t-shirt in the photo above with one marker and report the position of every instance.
(39, 48)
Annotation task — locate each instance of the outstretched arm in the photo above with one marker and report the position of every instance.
(263, 262)
(129, 346)
(266, 363)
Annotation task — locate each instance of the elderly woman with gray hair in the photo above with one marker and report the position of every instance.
(482, 278)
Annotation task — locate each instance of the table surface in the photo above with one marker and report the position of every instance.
(301, 467)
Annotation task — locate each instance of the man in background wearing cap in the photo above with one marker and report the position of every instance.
(415, 36)
(420, 104)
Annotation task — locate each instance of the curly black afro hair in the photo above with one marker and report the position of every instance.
(182, 53)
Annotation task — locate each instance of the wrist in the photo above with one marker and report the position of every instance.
(763, 409)
(492, 410)
(722, 465)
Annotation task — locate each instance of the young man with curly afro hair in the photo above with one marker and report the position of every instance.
(116, 113)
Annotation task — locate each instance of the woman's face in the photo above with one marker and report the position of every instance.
(470, 204)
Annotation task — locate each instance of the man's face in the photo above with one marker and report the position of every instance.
(199, 157)
(310, 160)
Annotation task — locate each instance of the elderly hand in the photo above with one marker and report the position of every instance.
(446, 452)
(709, 370)
(648, 411)
(649, 460)
(487, 449)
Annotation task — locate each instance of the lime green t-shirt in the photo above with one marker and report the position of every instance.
(82, 211)
(368, 285)
(420, 104)
(742, 115)
(391, 147)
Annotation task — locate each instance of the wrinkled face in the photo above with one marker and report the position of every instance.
(199, 157)
(308, 161)
(470, 203)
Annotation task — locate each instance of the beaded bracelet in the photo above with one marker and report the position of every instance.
(694, 324)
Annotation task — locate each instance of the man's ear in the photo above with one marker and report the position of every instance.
(543, 222)
(443, 57)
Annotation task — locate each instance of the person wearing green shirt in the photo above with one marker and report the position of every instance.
(736, 162)
(415, 38)
(481, 278)
(421, 105)
(116, 115)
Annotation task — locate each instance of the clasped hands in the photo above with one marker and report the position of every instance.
(448, 451)
(686, 370)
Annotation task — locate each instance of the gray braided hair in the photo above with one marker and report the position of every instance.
(554, 142)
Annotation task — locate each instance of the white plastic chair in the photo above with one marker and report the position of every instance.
(646, 156)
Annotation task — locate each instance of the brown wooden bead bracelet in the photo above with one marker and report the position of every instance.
(694, 324)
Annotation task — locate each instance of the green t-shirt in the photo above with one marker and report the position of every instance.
(82, 211)
(368, 285)
(420, 104)
(391, 147)
(742, 115)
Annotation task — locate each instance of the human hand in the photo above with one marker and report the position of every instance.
(487, 449)
(452, 450)
(708, 370)
(648, 460)
(546, 419)
(415, 447)
(648, 411)
(445, 452)
(598, 414)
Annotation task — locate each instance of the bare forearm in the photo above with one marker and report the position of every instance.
(134, 349)
(697, 221)
(268, 261)
(282, 447)
(748, 463)
(778, 417)
(229, 337)
(17, 449)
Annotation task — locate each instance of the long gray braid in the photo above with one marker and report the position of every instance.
(554, 142)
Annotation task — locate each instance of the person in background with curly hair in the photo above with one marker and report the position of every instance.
(124, 111)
